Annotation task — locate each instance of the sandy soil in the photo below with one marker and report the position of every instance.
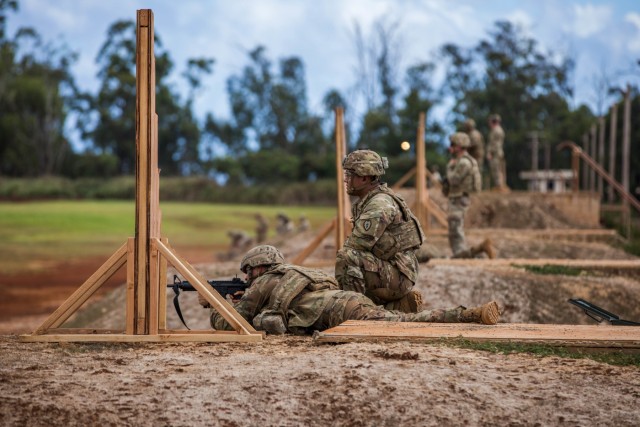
(294, 381)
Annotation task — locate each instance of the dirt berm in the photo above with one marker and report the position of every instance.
(292, 381)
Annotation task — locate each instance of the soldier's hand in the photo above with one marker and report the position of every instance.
(203, 302)
(236, 296)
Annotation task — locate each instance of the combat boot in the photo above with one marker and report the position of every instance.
(487, 248)
(487, 314)
(410, 303)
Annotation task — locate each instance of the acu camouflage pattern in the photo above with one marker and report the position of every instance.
(296, 293)
(365, 163)
(378, 258)
(464, 176)
(319, 305)
(455, 219)
(476, 147)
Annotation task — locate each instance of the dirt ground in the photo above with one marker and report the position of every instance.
(295, 381)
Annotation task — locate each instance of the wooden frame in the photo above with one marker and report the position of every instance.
(147, 254)
(423, 206)
(340, 223)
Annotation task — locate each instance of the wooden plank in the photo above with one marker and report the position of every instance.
(340, 226)
(218, 303)
(566, 335)
(162, 297)
(406, 177)
(155, 281)
(131, 285)
(422, 195)
(586, 264)
(84, 292)
(201, 336)
(143, 39)
(299, 259)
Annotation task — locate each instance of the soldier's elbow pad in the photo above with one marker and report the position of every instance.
(271, 323)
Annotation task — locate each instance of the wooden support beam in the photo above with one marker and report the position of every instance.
(422, 195)
(84, 292)
(299, 259)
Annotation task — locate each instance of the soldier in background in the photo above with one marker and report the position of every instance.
(378, 258)
(476, 143)
(285, 225)
(261, 229)
(463, 179)
(240, 242)
(495, 153)
(303, 225)
(284, 298)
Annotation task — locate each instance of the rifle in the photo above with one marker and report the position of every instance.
(599, 314)
(224, 288)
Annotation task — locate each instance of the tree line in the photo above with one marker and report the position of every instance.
(272, 135)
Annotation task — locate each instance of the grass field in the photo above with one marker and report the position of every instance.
(37, 234)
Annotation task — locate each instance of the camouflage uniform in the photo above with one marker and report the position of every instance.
(495, 149)
(309, 300)
(378, 258)
(463, 176)
(476, 143)
(261, 228)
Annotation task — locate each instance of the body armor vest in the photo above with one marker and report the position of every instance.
(398, 237)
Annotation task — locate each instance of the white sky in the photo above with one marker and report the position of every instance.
(603, 36)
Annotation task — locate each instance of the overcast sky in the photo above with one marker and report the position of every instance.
(603, 36)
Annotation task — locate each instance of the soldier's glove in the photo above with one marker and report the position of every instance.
(203, 302)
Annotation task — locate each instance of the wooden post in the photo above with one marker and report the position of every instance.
(592, 154)
(585, 170)
(422, 195)
(601, 124)
(612, 148)
(575, 166)
(146, 254)
(626, 146)
(339, 179)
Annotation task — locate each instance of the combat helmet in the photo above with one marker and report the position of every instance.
(495, 118)
(469, 124)
(261, 255)
(460, 139)
(365, 163)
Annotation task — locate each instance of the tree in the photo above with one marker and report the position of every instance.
(109, 120)
(528, 88)
(270, 123)
(36, 89)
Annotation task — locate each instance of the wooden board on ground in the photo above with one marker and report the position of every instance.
(583, 264)
(560, 335)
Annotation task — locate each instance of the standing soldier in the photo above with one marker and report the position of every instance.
(495, 154)
(284, 298)
(378, 259)
(463, 179)
(476, 143)
(261, 228)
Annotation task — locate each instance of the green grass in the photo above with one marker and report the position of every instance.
(33, 233)
(609, 356)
